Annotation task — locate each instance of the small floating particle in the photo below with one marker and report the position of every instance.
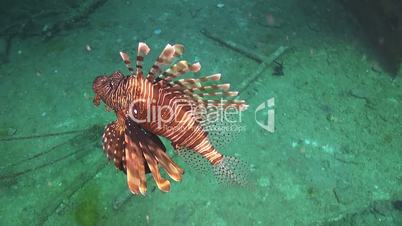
(263, 182)
(157, 31)
(252, 167)
(220, 5)
(314, 143)
(270, 20)
(45, 28)
(88, 48)
(327, 148)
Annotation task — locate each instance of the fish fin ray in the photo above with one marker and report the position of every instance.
(113, 145)
(194, 160)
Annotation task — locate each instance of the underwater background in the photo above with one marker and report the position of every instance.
(333, 159)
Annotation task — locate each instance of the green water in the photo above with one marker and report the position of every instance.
(333, 159)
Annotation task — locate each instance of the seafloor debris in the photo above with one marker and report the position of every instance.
(7, 132)
(47, 157)
(278, 69)
(234, 46)
(382, 22)
(261, 67)
(263, 60)
(76, 17)
(45, 22)
(371, 214)
(397, 204)
(74, 148)
(302, 144)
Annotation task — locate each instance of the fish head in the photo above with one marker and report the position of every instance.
(104, 87)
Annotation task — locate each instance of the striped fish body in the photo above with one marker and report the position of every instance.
(162, 110)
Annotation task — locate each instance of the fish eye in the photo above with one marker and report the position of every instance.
(111, 84)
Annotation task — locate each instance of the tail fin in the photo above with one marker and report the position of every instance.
(231, 170)
(227, 170)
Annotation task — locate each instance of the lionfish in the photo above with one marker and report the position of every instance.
(156, 105)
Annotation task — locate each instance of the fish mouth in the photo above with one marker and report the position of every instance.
(98, 87)
(96, 101)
